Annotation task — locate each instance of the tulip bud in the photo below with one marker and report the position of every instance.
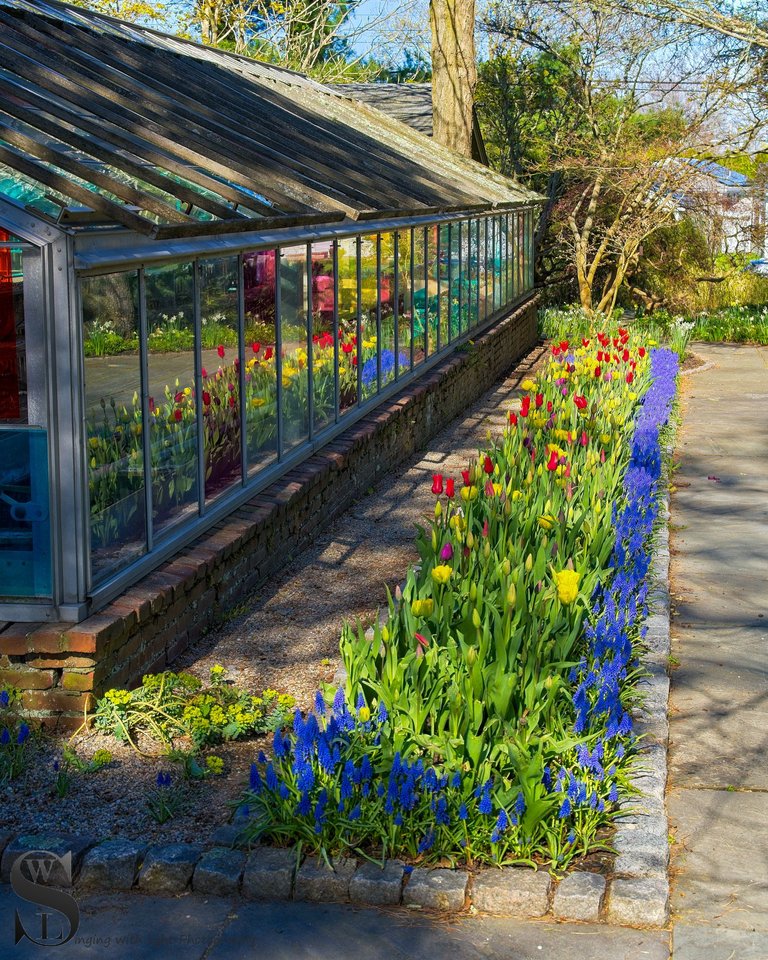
(506, 566)
(472, 592)
(476, 618)
(529, 563)
(471, 656)
(438, 510)
(470, 539)
(434, 541)
(507, 508)
(487, 550)
(385, 634)
(511, 595)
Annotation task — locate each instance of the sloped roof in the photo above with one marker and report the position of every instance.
(410, 103)
(728, 178)
(106, 120)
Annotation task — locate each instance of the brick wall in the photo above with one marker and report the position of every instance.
(58, 666)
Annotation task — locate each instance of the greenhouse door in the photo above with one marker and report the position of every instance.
(25, 529)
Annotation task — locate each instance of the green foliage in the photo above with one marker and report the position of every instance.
(71, 765)
(15, 735)
(171, 705)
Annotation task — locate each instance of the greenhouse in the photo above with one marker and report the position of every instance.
(209, 267)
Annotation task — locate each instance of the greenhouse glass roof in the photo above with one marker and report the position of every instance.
(105, 122)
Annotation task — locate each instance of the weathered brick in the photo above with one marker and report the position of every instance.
(28, 679)
(77, 681)
(54, 700)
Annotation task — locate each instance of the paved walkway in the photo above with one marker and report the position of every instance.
(718, 799)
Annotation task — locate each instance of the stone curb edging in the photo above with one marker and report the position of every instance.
(636, 894)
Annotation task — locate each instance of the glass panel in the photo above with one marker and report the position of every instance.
(486, 287)
(347, 324)
(114, 421)
(260, 362)
(404, 299)
(13, 357)
(499, 269)
(323, 353)
(531, 262)
(387, 310)
(473, 272)
(419, 294)
(443, 283)
(220, 374)
(171, 382)
(293, 329)
(25, 524)
(369, 313)
(509, 294)
(433, 296)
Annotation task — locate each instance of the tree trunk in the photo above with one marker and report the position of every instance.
(454, 72)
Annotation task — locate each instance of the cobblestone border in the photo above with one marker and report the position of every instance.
(636, 893)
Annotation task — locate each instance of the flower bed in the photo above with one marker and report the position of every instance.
(487, 718)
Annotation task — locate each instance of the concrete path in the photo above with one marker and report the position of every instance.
(135, 927)
(718, 799)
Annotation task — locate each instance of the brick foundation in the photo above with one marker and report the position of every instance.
(58, 666)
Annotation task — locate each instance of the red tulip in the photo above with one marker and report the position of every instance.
(206, 397)
(581, 402)
(231, 401)
(513, 419)
(488, 465)
(525, 406)
(641, 352)
(549, 406)
(177, 415)
(347, 347)
(630, 377)
(256, 347)
(179, 397)
(485, 529)
(151, 404)
(584, 438)
(585, 343)
(598, 372)
(554, 460)
(220, 350)
(437, 483)
(449, 488)
(564, 345)
(421, 640)
(204, 373)
(539, 399)
(465, 477)
(268, 353)
(625, 355)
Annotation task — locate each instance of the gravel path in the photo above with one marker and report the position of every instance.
(286, 637)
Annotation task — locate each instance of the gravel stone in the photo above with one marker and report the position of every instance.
(59, 844)
(111, 865)
(315, 881)
(269, 873)
(218, 872)
(512, 892)
(168, 868)
(372, 884)
(439, 889)
(638, 902)
(579, 897)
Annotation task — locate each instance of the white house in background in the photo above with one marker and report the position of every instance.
(729, 206)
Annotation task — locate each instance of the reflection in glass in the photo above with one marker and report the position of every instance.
(25, 518)
(419, 294)
(433, 294)
(220, 374)
(387, 311)
(404, 299)
(114, 421)
(443, 285)
(260, 361)
(348, 324)
(369, 312)
(323, 353)
(293, 328)
(171, 381)
(13, 358)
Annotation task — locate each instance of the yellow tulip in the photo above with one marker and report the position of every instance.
(423, 608)
(567, 585)
(442, 574)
